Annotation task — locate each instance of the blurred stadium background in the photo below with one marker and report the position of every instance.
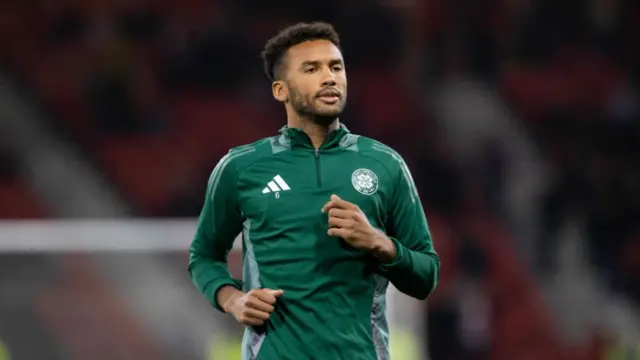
(519, 118)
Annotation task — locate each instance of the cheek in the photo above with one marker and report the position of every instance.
(308, 94)
(342, 81)
(301, 91)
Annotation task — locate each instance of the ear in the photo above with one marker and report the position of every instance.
(279, 91)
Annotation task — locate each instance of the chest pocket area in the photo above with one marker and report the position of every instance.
(275, 212)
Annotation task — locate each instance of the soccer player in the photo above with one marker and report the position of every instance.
(327, 217)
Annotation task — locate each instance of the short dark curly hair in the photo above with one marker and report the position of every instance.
(277, 46)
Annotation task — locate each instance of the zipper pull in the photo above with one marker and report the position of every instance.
(317, 151)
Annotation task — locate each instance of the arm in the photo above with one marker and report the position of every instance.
(219, 223)
(414, 265)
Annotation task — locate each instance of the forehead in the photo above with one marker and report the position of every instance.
(315, 50)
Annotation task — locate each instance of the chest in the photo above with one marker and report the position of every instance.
(287, 193)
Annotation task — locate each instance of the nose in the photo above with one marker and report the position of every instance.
(329, 80)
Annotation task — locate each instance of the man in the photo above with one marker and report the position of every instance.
(328, 219)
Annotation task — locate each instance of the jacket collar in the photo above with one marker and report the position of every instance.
(297, 137)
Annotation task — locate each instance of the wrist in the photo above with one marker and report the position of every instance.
(384, 249)
(227, 297)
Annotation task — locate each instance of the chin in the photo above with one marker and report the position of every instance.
(329, 111)
(328, 114)
(325, 118)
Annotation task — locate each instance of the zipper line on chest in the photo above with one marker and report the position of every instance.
(318, 177)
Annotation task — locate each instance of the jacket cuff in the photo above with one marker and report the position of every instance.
(400, 255)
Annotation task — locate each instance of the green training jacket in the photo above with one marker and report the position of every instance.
(273, 191)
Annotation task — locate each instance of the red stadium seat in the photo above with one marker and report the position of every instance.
(18, 201)
(143, 167)
(521, 326)
(447, 247)
(533, 91)
(208, 126)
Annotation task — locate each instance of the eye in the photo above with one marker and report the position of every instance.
(337, 68)
(310, 70)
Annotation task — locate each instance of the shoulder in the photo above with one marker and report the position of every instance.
(394, 163)
(241, 157)
(383, 153)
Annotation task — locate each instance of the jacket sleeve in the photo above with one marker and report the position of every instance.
(219, 223)
(415, 269)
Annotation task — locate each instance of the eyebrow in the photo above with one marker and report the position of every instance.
(317, 62)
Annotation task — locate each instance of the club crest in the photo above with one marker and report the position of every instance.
(365, 181)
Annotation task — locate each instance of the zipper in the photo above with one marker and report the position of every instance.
(318, 177)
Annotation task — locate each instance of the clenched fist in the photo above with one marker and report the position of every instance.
(347, 221)
(254, 307)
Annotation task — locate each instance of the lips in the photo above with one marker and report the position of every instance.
(329, 94)
(329, 97)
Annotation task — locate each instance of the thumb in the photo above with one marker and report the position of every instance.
(276, 293)
(335, 197)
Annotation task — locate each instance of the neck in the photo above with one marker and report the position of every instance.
(316, 132)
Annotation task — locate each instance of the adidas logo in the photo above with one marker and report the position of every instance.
(277, 184)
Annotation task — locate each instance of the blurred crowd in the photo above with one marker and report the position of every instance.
(578, 93)
(155, 92)
(570, 70)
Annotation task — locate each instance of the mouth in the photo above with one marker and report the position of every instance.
(329, 96)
